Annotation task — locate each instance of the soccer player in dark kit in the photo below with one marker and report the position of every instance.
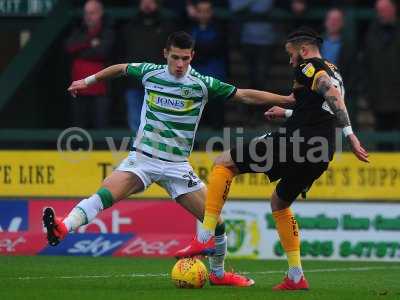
(297, 155)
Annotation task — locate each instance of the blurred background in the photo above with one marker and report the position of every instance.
(45, 44)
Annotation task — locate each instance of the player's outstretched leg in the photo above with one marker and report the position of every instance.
(83, 213)
(121, 183)
(217, 191)
(289, 236)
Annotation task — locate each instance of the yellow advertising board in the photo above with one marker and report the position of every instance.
(55, 174)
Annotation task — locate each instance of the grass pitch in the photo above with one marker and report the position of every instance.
(75, 278)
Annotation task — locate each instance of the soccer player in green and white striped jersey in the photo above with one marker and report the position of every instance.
(172, 108)
(175, 96)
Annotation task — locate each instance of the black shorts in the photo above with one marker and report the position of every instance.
(274, 157)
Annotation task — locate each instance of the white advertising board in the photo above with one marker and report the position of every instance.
(338, 231)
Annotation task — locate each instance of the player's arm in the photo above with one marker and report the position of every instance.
(105, 74)
(335, 101)
(257, 97)
(278, 113)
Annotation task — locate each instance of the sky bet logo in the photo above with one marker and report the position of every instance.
(88, 244)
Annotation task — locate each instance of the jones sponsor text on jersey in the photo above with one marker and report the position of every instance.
(170, 102)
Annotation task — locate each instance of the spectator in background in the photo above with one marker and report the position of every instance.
(332, 47)
(382, 62)
(210, 40)
(210, 57)
(143, 36)
(299, 7)
(299, 10)
(339, 51)
(185, 10)
(181, 8)
(257, 39)
(89, 46)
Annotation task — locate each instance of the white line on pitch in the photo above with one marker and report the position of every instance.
(351, 269)
(132, 275)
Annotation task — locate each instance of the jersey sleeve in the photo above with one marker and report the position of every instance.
(307, 74)
(218, 90)
(135, 70)
(138, 70)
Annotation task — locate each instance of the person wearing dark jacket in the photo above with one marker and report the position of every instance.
(257, 39)
(211, 52)
(211, 43)
(382, 63)
(339, 50)
(143, 38)
(89, 46)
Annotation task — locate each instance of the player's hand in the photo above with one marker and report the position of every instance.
(274, 113)
(76, 86)
(357, 149)
(291, 98)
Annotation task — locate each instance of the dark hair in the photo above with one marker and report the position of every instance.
(305, 35)
(181, 40)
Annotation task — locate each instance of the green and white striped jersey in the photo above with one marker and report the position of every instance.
(172, 108)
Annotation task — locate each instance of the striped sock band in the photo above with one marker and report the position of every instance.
(106, 197)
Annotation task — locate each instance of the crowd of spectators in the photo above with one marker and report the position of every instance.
(368, 56)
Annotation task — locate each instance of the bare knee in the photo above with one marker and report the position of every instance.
(277, 203)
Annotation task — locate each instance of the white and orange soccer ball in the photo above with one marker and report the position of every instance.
(189, 273)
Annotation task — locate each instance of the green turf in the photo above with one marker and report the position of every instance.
(40, 278)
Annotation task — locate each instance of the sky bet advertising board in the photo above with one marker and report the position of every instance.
(345, 231)
(140, 228)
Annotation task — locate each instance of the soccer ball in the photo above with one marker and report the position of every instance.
(189, 273)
